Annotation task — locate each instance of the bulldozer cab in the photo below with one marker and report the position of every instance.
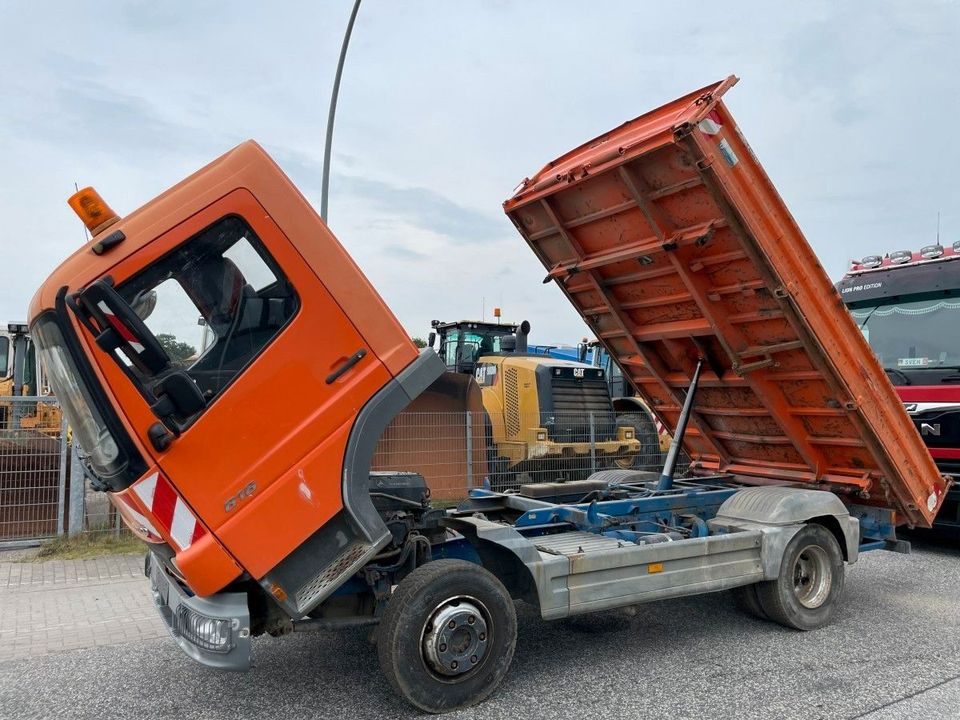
(463, 343)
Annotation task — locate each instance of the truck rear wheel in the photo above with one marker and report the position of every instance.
(644, 430)
(805, 595)
(447, 636)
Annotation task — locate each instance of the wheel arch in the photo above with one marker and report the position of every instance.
(831, 523)
(786, 507)
(632, 404)
(501, 551)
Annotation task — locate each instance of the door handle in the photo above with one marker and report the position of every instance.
(347, 364)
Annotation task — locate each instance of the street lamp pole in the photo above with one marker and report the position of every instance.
(325, 190)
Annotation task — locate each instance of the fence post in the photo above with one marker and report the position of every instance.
(19, 354)
(62, 483)
(469, 427)
(593, 446)
(77, 487)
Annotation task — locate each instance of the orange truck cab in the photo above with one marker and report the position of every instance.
(208, 455)
(174, 337)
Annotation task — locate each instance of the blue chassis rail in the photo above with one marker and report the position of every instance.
(687, 506)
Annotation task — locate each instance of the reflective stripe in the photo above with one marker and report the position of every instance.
(132, 516)
(183, 525)
(169, 510)
(145, 490)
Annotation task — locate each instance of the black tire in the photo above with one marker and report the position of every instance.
(747, 601)
(806, 593)
(644, 430)
(414, 665)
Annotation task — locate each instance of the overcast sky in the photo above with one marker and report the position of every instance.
(851, 107)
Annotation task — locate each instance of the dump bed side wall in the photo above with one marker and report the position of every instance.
(672, 243)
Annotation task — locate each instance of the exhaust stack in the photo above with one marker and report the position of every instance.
(522, 333)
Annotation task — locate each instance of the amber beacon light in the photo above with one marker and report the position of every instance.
(92, 210)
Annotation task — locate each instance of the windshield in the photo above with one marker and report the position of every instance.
(917, 334)
(474, 345)
(100, 449)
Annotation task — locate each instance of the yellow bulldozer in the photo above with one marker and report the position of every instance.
(548, 419)
(21, 375)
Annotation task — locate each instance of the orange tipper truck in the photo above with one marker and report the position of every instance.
(259, 506)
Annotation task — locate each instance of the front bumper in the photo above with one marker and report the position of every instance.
(551, 449)
(214, 631)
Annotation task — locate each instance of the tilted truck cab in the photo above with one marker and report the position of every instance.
(259, 506)
(210, 457)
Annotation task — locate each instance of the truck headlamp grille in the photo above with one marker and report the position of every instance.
(211, 634)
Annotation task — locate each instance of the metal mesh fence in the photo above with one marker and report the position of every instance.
(43, 491)
(32, 468)
(458, 451)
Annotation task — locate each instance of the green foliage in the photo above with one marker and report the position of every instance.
(419, 342)
(177, 350)
(88, 545)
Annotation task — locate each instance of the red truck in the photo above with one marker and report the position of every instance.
(905, 304)
(260, 509)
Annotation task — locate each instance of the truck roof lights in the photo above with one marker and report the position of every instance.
(931, 251)
(95, 214)
(871, 261)
(898, 257)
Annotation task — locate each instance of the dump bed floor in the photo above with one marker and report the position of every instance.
(671, 242)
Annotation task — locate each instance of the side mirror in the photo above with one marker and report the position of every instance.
(177, 396)
(144, 304)
(431, 339)
(117, 327)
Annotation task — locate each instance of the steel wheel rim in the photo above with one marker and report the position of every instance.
(812, 576)
(455, 638)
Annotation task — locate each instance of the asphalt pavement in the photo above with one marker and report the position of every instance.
(893, 652)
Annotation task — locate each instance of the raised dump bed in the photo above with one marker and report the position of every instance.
(673, 245)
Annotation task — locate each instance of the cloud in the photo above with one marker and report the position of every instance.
(445, 106)
(404, 253)
(427, 209)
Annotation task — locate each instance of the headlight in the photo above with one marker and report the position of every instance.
(628, 434)
(541, 435)
(212, 634)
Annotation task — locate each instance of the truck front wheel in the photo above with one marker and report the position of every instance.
(447, 636)
(806, 594)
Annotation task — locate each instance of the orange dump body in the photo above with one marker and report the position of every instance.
(673, 245)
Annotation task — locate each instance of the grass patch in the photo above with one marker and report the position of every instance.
(87, 545)
(445, 504)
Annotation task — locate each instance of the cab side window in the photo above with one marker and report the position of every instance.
(214, 303)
